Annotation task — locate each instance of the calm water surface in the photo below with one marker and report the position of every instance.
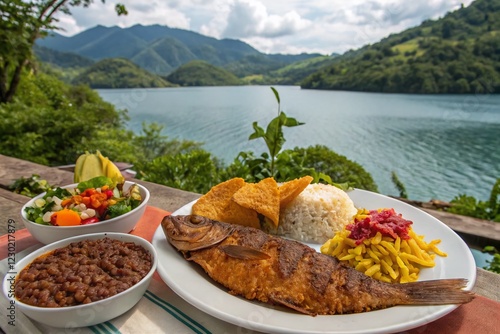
(439, 146)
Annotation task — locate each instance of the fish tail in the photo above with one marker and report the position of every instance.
(438, 292)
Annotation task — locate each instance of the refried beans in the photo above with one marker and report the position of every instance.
(82, 272)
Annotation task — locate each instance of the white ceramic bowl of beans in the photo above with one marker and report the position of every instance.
(81, 315)
(122, 224)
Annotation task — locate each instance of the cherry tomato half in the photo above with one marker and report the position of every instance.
(90, 220)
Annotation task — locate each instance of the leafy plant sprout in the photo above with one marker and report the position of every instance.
(273, 136)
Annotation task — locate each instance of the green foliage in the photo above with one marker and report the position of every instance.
(61, 59)
(30, 186)
(254, 64)
(67, 75)
(337, 167)
(201, 73)
(469, 206)
(153, 144)
(116, 143)
(399, 185)
(18, 26)
(457, 54)
(273, 136)
(48, 120)
(195, 171)
(119, 73)
(494, 264)
(294, 73)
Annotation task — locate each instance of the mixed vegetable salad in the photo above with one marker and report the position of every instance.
(91, 201)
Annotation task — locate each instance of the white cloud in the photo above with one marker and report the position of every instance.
(249, 18)
(277, 26)
(145, 13)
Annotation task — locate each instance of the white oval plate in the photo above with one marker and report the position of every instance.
(190, 282)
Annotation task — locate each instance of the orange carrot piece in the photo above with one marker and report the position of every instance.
(86, 201)
(66, 202)
(67, 217)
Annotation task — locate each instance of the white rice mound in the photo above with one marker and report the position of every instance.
(316, 214)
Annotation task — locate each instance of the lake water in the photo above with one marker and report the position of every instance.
(439, 146)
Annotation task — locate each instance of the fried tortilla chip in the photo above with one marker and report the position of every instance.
(262, 197)
(218, 205)
(291, 189)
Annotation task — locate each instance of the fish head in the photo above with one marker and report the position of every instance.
(192, 232)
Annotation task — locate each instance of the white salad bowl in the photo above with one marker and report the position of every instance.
(123, 224)
(84, 314)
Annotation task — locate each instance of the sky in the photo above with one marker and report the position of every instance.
(277, 26)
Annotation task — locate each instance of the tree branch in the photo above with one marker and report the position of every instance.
(3, 81)
(14, 82)
(49, 5)
(56, 8)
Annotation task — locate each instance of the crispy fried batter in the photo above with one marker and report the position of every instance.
(217, 204)
(262, 197)
(291, 189)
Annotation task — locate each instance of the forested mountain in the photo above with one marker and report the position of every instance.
(61, 59)
(119, 73)
(159, 49)
(201, 73)
(459, 53)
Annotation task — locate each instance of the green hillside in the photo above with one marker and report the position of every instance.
(253, 65)
(264, 64)
(457, 54)
(169, 54)
(119, 73)
(201, 73)
(294, 73)
(61, 59)
(63, 65)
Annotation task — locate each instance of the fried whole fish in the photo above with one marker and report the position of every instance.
(274, 270)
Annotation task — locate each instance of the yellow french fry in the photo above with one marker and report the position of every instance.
(372, 270)
(397, 244)
(415, 250)
(415, 259)
(377, 238)
(382, 250)
(350, 242)
(373, 255)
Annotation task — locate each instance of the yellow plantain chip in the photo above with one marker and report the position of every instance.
(218, 205)
(291, 189)
(262, 197)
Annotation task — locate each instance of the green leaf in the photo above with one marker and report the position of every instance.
(289, 121)
(489, 249)
(119, 209)
(276, 94)
(259, 132)
(121, 9)
(96, 182)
